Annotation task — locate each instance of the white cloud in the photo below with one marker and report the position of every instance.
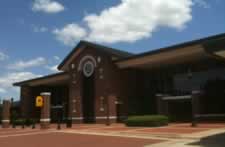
(202, 3)
(70, 34)
(37, 29)
(47, 6)
(129, 21)
(20, 65)
(3, 56)
(53, 68)
(57, 58)
(133, 20)
(7, 80)
(2, 90)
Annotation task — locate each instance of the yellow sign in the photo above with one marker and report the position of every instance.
(39, 101)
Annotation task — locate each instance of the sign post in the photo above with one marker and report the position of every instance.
(39, 101)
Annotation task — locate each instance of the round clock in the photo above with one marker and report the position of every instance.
(88, 68)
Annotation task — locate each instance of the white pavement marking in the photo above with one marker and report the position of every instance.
(176, 143)
(16, 131)
(26, 134)
(159, 136)
(114, 134)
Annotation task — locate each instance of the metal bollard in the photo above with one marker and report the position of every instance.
(33, 125)
(23, 125)
(69, 123)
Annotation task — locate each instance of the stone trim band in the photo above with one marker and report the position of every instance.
(105, 117)
(5, 120)
(46, 93)
(97, 117)
(45, 120)
(77, 118)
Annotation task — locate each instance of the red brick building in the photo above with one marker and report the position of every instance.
(99, 82)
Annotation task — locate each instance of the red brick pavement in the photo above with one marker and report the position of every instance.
(35, 138)
(72, 140)
(171, 129)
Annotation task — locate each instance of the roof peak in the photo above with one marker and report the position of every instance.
(109, 50)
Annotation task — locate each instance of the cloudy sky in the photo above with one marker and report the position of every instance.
(35, 35)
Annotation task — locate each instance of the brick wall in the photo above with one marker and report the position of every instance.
(108, 85)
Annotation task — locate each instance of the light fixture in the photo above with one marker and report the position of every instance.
(99, 59)
(72, 66)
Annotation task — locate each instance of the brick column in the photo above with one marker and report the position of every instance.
(45, 111)
(6, 114)
(112, 109)
(195, 106)
(75, 114)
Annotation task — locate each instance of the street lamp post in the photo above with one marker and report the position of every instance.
(12, 114)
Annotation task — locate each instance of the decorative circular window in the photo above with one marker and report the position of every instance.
(88, 68)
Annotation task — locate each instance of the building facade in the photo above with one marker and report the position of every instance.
(98, 83)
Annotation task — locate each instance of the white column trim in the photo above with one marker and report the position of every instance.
(77, 118)
(45, 120)
(105, 117)
(45, 93)
(5, 120)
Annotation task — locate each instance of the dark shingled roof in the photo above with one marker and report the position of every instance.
(208, 41)
(39, 78)
(116, 52)
(203, 41)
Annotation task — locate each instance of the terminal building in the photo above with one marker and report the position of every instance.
(98, 83)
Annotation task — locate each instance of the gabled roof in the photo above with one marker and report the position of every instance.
(82, 44)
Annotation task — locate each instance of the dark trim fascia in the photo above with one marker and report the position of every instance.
(40, 78)
(174, 47)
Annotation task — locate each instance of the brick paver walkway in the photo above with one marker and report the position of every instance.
(50, 138)
(114, 135)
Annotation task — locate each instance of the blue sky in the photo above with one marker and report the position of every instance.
(35, 35)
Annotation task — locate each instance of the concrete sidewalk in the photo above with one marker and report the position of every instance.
(212, 138)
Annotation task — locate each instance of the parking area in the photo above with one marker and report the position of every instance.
(97, 135)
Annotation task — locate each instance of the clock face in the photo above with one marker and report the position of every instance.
(88, 68)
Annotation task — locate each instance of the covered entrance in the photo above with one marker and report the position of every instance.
(88, 99)
(88, 90)
(188, 77)
(177, 108)
(59, 98)
(180, 111)
(57, 85)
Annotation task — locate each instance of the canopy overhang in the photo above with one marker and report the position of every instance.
(50, 80)
(187, 54)
(179, 54)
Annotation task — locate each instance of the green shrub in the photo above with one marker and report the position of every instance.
(14, 116)
(147, 121)
(18, 121)
(27, 122)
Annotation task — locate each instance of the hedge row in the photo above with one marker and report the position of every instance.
(26, 122)
(147, 121)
